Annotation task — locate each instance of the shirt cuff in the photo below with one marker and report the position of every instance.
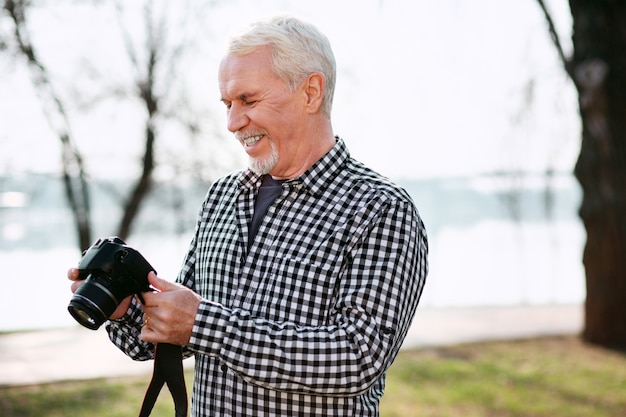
(209, 328)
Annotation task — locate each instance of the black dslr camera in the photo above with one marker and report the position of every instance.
(112, 271)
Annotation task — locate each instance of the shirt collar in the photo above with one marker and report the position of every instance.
(316, 178)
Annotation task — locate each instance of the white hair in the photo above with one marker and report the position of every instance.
(298, 50)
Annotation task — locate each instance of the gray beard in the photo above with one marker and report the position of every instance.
(262, 166)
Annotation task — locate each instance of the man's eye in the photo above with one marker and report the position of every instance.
(249, 102)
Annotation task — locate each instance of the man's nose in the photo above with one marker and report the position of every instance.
(237, 118)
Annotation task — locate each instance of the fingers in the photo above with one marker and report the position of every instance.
(169, 316)
(149, 335)
(76, 285)
(149, 330)
(161, 284)
(121, 309)
(157, 330)
(72, 274)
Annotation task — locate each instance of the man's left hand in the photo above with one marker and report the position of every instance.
(169, 313)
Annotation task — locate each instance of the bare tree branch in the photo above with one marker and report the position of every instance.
(555, 38)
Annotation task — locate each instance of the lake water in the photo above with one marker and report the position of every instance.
(491, 243)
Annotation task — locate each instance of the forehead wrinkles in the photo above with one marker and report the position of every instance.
(247, 72)
(235, 82)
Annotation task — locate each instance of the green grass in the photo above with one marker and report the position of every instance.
(551, 377)
(548, 377)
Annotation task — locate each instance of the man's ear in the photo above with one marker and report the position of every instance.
(314, 89)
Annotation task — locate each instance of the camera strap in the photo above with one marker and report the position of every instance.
(168, 369)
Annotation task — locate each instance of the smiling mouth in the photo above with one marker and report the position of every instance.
(251, 140)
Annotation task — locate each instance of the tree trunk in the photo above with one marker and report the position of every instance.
(598, 69)
(146, 90)
(76, 188)
(142, 186)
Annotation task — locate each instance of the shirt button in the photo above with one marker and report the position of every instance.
(224, 368)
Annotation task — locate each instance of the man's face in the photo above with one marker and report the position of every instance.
(263, 114)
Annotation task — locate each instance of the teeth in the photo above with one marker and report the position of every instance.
(252, 140)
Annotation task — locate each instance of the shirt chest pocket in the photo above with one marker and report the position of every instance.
(297, 291)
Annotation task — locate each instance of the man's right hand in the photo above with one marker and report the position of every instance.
(119, 312)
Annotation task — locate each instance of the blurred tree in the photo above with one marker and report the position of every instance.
(598, 70)
(155, 37)
(76, 189)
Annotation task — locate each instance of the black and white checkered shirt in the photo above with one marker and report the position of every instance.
(307, 322)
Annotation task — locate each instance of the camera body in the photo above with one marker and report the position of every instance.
(112, 271)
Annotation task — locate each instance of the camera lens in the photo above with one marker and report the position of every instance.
(93, 302)
(84, 317)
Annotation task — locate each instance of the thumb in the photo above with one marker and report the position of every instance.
(161, 284)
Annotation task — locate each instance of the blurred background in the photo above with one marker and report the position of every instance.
(464, 103)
